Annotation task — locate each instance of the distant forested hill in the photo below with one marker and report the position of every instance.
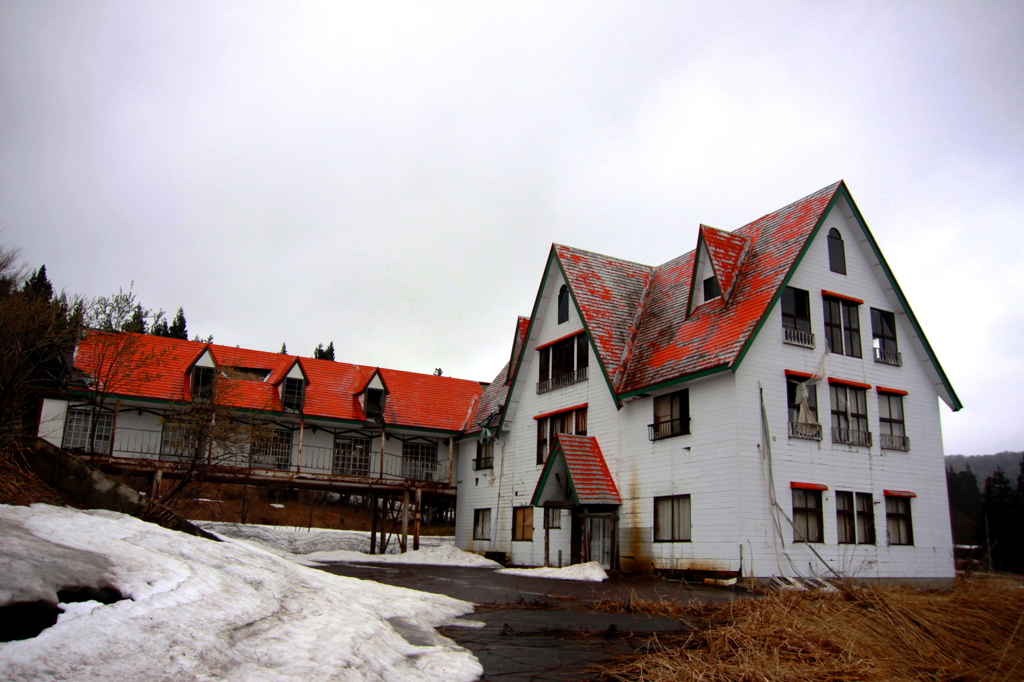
(984, 466)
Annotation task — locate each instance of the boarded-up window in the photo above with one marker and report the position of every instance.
(522, 523)
(672, 518)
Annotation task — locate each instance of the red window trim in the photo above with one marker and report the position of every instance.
(561, 410)
(561, 338)
(894, 391)
(898, 493)
(847, 382)
(799, 485)
(842, 297)
(802, 375)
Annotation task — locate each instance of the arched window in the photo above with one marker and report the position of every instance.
(836, 252)
(563, 304)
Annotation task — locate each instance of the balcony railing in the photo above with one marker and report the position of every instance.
(563, 380)
(895, 442)
(803, 430)
(851, 437)
(889, 357)
(483, 463)
(146, 444)
(798, 337)
(668, 429)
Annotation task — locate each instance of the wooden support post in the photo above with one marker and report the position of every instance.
(383, 542)
(154, 491)
(373, 526)
(405, 520)
(416, 519)
(547, 540)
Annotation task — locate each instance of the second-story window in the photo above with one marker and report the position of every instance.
(836, 252)
(563, 304)
(292, 394)
(849, 415)
(563, 363)
(883, 337)
(803, 408)
(570, 421)
(796, 317)
(890, 422)
(484, 456)
(671, 415)
(842, 326)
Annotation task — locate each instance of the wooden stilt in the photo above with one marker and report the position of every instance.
(416, 519)
(154, 491)
(405, 520)
(373, 526)
(383, 546)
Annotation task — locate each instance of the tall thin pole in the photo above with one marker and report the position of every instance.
(373, 526)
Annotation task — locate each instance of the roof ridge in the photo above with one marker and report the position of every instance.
(602, 255)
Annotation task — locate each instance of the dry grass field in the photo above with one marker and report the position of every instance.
(973, 633)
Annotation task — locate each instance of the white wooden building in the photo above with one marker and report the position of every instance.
(766, 404)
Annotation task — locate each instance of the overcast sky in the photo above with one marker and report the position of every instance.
(391, 176)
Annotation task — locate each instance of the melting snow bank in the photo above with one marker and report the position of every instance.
(323, 546)
(198, 609)
(590, 571)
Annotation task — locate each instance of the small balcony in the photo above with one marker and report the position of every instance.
(901, 443)
(668, 429)
(797, 337)
(889, 357)
(569, 379)
(851, 437)
(805, 431)
(483, 463)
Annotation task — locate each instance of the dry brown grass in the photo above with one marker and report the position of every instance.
(19, 485)
(971, 634)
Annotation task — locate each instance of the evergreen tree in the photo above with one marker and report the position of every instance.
(438, 372)
(38, 285)
(964, 501)
(177, 329)
(159, 328)
(329, 355)
(137, 323)
(284, 349)
(995, 523)
(318, 352)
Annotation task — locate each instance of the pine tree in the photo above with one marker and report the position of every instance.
(137, 323)
(329, 355)
(438, 372)
(177, 329)
(159, 328)
(318, 352)
(38, 285)
(284, 349)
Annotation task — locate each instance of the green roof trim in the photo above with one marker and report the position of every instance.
(556, 452)
(672, 382)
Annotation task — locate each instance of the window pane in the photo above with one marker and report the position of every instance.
(581, 421)
(582, 352)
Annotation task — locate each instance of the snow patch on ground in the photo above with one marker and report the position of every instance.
(200, 610)
(590, 571)
(323, 546)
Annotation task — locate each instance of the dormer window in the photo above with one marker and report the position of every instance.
(202, 381)
(711, 289)
(374, 408)
(563, 304)
(836, 252)
(292, 394)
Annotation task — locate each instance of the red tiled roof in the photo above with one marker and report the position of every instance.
(588, 472)
(609, 292)
(727, 252)
(637, 315)
(134, 365)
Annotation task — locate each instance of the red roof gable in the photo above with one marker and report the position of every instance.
(135, 365)
(588, 472)
(726, 251)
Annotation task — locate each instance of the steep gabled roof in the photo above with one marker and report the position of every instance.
(727, 252)
(490, 400)
(590, 481)
(672, 345)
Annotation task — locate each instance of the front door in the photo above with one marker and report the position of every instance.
(599, 533)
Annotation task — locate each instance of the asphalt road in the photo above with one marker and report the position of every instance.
(541, 629)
